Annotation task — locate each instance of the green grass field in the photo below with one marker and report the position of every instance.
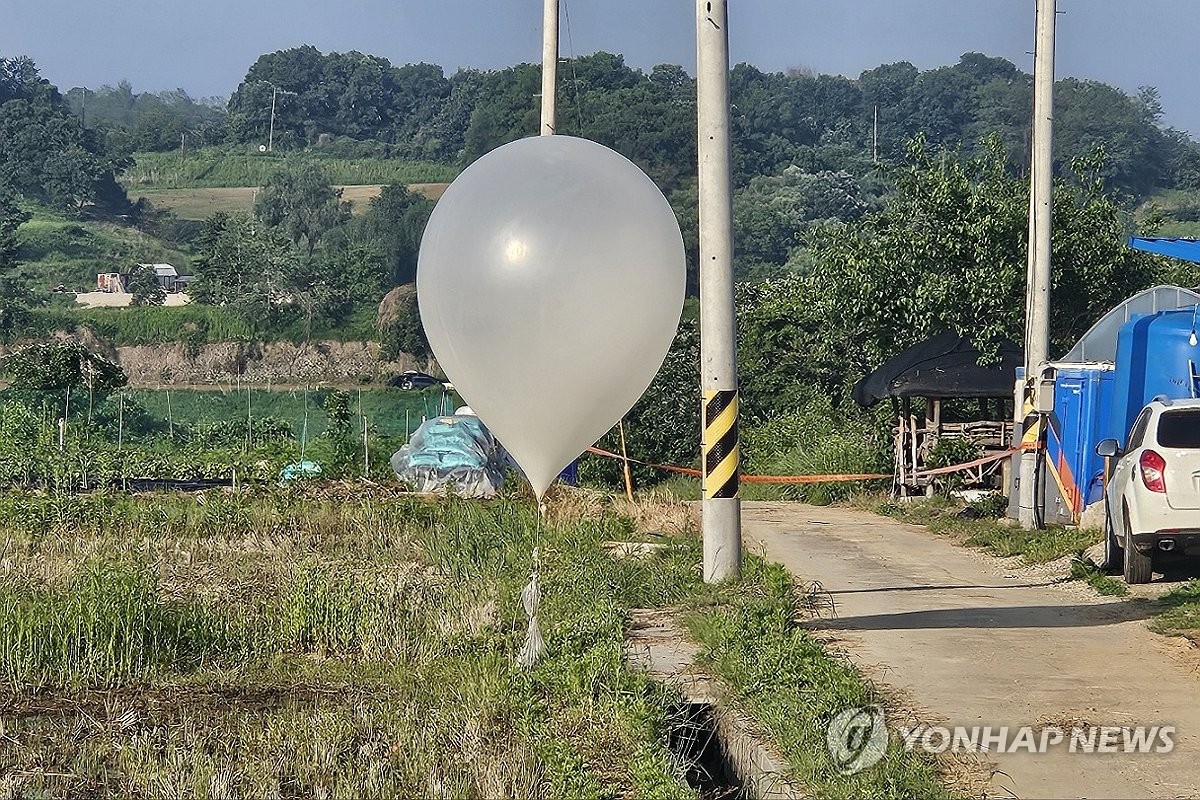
(198, 324)
(55, 249)
(201, 203)
(225, 167)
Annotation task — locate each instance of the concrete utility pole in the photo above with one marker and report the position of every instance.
(721, 517)
(1037, 331)
(550, 68)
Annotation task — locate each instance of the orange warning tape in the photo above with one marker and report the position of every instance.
(695, 473)
(842, 478)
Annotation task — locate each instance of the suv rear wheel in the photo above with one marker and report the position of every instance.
(1114, 554)
(1138, 566)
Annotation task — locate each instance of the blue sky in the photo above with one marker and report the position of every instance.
(205, 47)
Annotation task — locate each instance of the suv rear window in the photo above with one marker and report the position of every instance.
(1180, 429)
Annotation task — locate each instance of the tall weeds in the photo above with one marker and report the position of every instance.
(106, 627)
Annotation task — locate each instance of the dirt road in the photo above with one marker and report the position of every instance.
(962, 639)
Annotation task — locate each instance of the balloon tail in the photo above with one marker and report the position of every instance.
(531, 599)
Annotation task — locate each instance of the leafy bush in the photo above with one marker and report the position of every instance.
(815, 439)
(948, 452)
(237, 432)
(62, 367)
(144, 286)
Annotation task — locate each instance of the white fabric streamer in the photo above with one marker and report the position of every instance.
(531, 599)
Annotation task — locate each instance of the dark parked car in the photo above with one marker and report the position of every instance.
(414, 380)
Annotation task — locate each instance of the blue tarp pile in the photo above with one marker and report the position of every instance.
(455, 454)
(299, 471)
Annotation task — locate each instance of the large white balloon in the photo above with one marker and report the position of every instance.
(550, 282)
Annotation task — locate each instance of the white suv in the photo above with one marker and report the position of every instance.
(1152, 501)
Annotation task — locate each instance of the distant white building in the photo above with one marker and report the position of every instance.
(111, 282)
(168, 278)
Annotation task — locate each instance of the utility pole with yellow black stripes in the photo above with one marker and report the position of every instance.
(1030, 479)
(721, 513)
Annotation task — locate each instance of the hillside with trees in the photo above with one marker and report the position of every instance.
(151, 121)
(852, 239)
(814, 122)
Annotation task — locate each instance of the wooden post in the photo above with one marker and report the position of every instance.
(625, 461)
(933, 430)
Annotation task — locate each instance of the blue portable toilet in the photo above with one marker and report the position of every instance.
(1083, 395)
(1156, 357)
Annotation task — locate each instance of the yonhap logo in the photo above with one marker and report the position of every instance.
(857, 739)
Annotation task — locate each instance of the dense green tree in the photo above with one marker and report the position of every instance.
(507, 109)
(342, 94)
(949, 251)
(246, 265)
(63, 367)
(45, 153)
(1088, 114)
(354, 270)
(393, 226)
(772, 214)
(814, 122)
(143, 285)
(155, 121)
(443, 137)
(14, 294)
(301, 201)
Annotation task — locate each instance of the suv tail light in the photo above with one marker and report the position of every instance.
(1153, 466)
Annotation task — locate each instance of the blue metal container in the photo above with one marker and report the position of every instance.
(1155, 357)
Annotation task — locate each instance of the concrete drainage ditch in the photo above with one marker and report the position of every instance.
(722, 756)
(693, 739)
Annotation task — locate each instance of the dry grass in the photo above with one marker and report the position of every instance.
(648, 515)
(433, 191)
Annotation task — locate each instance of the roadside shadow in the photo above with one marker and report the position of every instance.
(1053, 616)
(937, 587)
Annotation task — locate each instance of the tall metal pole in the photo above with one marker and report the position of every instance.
(721, 512)
(1037, 332)
(550, 68)
(271, 134)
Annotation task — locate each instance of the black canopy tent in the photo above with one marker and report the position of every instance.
(944, 367)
